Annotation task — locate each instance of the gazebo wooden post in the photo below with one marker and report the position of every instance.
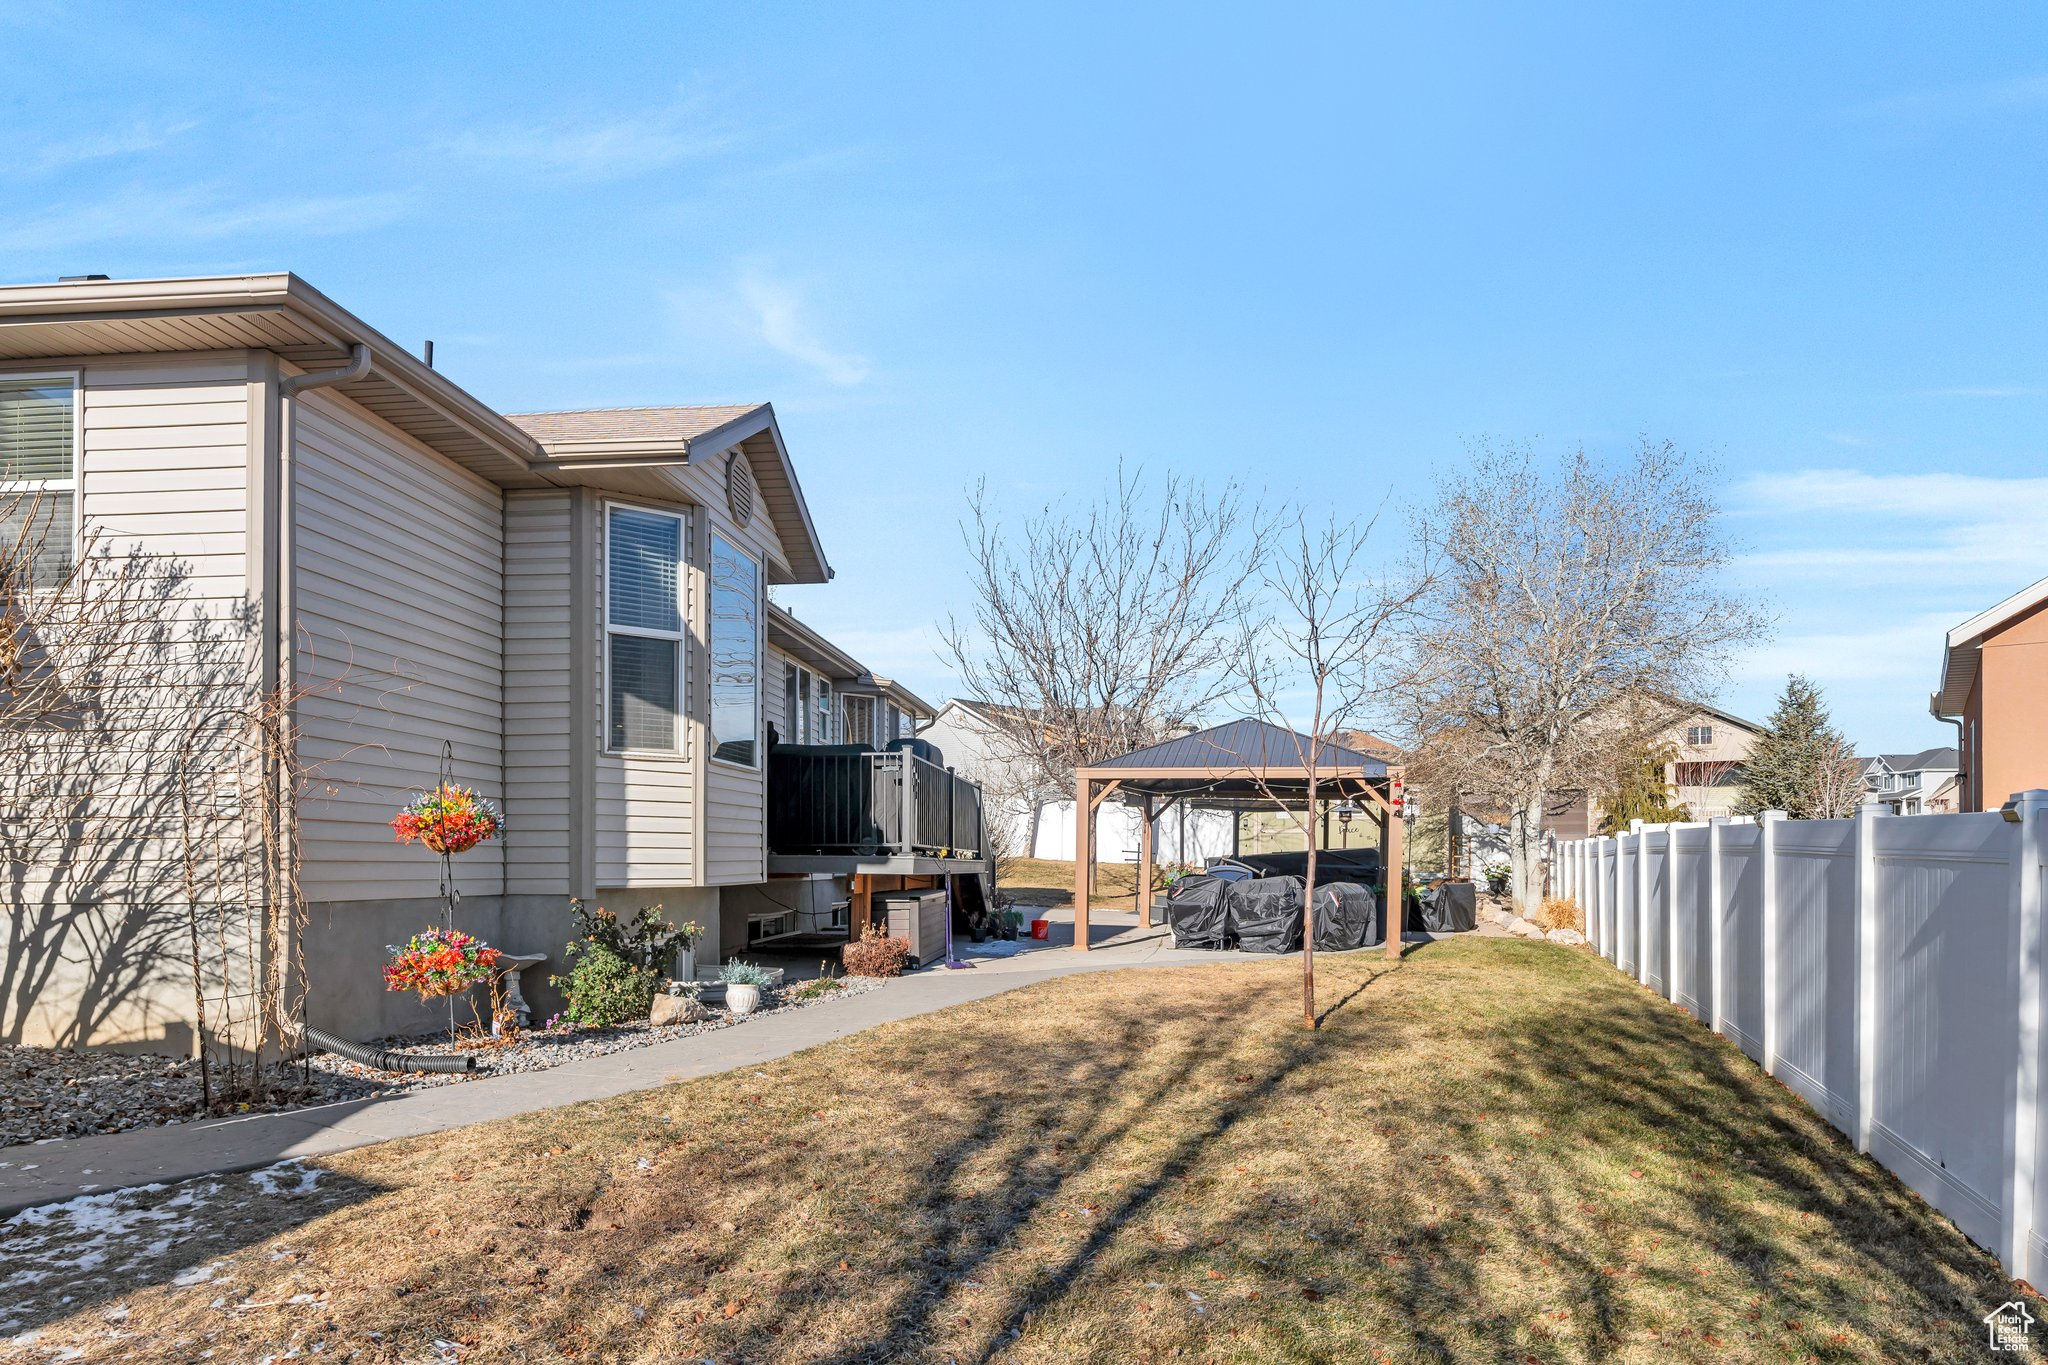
(1084, 853)
(1143, 890)
(1393, 864)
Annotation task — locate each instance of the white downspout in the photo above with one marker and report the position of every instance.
(286, 675)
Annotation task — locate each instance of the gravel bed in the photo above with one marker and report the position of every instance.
(48, 1093)
(51, 1093)
(540, 1049)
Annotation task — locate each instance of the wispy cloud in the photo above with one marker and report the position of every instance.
(2019, 93)
(1969, 529)
(777, 310)
(589, 151)
(1900, 648)
(1967, 391)
(132, 140)
(196, 215)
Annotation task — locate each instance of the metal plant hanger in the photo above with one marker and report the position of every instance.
(451, 895)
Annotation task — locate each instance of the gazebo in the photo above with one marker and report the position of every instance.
(1241, 765)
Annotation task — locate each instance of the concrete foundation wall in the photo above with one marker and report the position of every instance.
(347, 943)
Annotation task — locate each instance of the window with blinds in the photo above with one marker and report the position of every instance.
(38, 477)
(735, 655)
(859, 720)
(643, 628)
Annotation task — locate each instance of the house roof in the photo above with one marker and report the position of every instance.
(663, 427)
(280, 313)
(619, 439)
(277, 312)
(1964, 644)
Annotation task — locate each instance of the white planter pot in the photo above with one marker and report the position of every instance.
(742, 999)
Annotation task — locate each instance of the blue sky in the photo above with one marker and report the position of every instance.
(1322, 250)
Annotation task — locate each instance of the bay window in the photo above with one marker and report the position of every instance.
(735, 654)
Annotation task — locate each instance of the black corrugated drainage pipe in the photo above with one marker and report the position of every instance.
(383, 1060)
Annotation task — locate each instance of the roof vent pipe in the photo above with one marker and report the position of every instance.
(79, 279)
(430, 353)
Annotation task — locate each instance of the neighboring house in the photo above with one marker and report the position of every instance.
(1925, 783)
(1040, 824)
(1704, 774)
(574, 603)
(1994, 689)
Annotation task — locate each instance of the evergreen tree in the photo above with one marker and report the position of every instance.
(1640, 791)
(1792, 764)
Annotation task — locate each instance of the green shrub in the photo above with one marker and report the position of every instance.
(646, 940)
(603, 987)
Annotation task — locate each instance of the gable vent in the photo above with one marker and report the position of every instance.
(739, 488)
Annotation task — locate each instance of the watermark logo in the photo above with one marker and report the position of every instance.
(2010, 1325)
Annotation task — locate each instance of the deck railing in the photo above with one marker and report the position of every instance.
(824, 799)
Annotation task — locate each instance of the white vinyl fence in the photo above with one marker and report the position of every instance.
(1887, 968)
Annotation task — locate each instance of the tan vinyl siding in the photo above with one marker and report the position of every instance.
(399, 558)
(164, 468)
(539, 658)
(646, 825)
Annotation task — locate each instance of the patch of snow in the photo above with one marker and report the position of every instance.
(286, 1178)
(1002, 947)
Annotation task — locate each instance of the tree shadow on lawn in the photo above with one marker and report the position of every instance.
(1470, 1161)
(1476, 1253)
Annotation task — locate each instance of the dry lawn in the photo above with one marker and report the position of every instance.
(1495, 1150)
(1047, 882)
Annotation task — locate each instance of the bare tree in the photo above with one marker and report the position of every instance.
(147, 792)
(1100, 628)
(1573, 602)
(1836, 787)
(1313, 655)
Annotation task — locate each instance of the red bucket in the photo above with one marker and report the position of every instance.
(1041, 928)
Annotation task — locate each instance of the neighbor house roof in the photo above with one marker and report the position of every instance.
(1960, 651)
(1926, 759)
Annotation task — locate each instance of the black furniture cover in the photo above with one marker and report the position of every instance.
(1333, 864)
(1453, 910)
(1264, 914)
(1194, 911)
(1347, 917)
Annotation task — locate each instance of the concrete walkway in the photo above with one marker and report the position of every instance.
(47, 1172)
(41, 1173)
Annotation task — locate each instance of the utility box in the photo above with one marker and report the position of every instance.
(919, 917)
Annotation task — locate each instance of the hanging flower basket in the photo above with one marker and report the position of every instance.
(448, 819)
(438, 962)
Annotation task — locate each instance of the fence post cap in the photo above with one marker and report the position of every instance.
(1717, 819)
(1772, 815)
(2034, 798)
(1635, 826)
